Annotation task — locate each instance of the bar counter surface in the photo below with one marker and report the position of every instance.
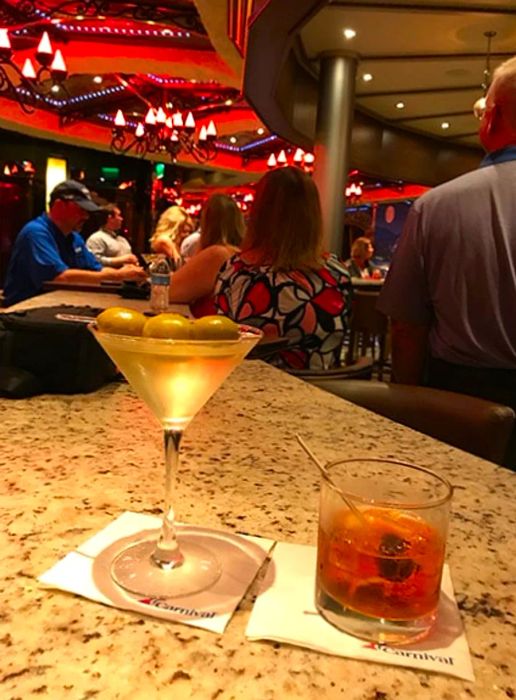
(71, 464)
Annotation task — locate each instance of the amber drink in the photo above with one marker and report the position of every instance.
(380, 561)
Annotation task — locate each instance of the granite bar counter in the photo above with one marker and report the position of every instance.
(96, 299)
(70, 464)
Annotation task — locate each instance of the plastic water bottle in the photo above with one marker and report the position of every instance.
(160, 284)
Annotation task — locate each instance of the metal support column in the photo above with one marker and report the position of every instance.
(332, 141)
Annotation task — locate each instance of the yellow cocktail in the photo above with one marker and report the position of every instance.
(175, 377)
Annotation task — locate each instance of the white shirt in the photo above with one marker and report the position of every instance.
(190, 245)
(108, 244)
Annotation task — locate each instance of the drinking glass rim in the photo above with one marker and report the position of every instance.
(390, 504)
(93, 328)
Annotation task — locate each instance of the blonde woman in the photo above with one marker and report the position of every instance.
(172, 227)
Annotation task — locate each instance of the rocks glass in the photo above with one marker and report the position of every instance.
(379, 563)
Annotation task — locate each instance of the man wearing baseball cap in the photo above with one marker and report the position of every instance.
(49, 248)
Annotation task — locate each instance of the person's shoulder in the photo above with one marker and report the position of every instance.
(216, 251)
(77, 239)
(41, 224)
(96, 235)
(447, 191)
(331, 260)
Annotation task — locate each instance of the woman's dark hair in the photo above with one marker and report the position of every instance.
(222, 222)
(285, 225)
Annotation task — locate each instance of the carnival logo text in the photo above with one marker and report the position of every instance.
(408, 654)
(165, 605)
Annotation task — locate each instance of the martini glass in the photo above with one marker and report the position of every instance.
(175, 378)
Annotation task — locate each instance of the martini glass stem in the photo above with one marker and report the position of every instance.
(167, 554)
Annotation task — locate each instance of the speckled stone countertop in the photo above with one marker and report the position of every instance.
(70, 464)
(96, 299)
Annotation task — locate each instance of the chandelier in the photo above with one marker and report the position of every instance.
(30, 83)
(353, 192)
(300, 159)
(480, 105)
(164, 133)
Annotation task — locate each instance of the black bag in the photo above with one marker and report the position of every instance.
(40, 353)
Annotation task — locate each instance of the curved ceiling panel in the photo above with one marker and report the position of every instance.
(421, 67)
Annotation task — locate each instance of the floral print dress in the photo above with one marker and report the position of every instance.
(308, 306)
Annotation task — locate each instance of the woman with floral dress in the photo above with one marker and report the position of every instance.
(281, 281)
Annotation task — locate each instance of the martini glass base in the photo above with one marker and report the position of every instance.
(135, 570)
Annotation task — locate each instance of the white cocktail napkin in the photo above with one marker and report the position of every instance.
(86, 572)
(285, 612)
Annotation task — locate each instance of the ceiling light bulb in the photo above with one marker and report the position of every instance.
(150, 117)
(28, 70)
(400, 105)
(233, 139)
(120, 119)
(260, 131)
(190, 121)
(479, 107)
(228, 103)
(98, 79)
(5, 42)
(44, 45)
(367, 77)
(58, 65)
(349, 33)
(55, 88)
(445, 125)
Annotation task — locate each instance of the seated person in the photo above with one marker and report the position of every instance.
(190, 244)
(49, 248)
(222, 228)
(282, 282)
(173, 226)
(359, 265)
(108, 245)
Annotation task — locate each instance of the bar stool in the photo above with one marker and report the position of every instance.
(475, 425)
(368, 330)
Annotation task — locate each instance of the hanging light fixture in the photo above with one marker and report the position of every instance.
(27, 83)
(480, 105)
(165, 133)
(300, 159)
(354, 191)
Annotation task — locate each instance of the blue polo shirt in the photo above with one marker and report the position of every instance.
(41, 252)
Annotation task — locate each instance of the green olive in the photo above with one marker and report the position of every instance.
(121, 321)
(215, 328)
(172, 326)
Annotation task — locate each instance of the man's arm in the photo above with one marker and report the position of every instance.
(118, 260)
(409, 352)
(96, 245)
(107, 274)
